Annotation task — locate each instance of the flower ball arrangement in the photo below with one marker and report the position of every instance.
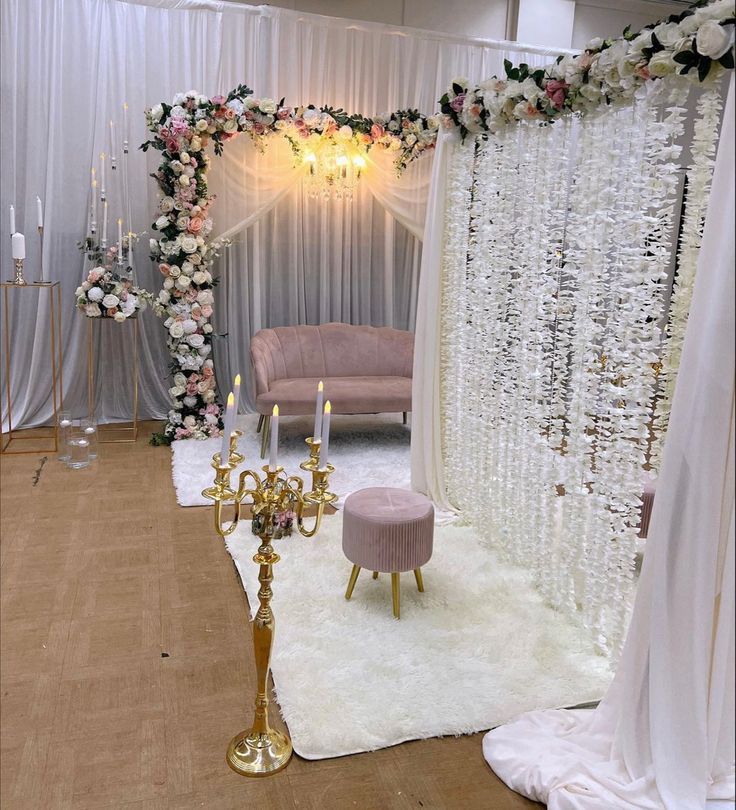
(105, 294)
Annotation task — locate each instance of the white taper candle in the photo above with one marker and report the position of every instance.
(104, 224)
(316, 436)
(273, 459)
(12, 220)
(39, 212)
(325, 446)
(227, 430)
(236, 391)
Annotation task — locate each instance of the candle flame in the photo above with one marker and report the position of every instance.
(320, 386)
(230, 399)
(328, 407)
(111, 124)
(125, 105)
(102, 155)
(120, 221)
(93, 171)
(275, 411)
(237, 379)
(94, 184)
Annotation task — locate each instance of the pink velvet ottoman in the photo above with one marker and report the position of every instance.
(387, 530)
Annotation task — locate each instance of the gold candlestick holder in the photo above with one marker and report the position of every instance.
(19, 280)
(277, 504)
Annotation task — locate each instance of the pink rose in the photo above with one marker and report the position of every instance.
(94, 275)
(212, 408)
(207, 372)
(112, 311)
(164, 268)
(642, 70)
(258, 128)
(457, 102)
(377, 131)
(229, 113)
(475, 110)
(191, 294)
(283, 113)
(195, 224)
(191, 388)
(585, 61)
(557, 92)
(182, 433)
(207, 311)
(217, 100)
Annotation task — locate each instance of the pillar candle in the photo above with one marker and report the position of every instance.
(273, 460)
(324, 449)
(12, 220)
(236, 391)
(39, 212)
(318, 412)
(19, 246)
(227, 429)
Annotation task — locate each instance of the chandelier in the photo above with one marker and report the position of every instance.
(334, 170)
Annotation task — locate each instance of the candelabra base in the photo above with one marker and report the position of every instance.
(262, 754)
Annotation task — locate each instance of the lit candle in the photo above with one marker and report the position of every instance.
(93, 181)
(104, 224)
(125, 122)
(325, 436)
(93, 206)
(274, 456)
(112, 141)
(236, 390)
(102, 175)
(316, 436)
(18, 244)
(39, 212)
(12, 220)
(227, 430)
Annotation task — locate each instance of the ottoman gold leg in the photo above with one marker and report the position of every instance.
(351, 582)
(260, 423)
(395, 594)
(420, 581)
(375, 575)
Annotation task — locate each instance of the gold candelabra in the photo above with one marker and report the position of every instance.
(277, 503)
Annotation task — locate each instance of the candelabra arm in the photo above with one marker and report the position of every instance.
(317, 522)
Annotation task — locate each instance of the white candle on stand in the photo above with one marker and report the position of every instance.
(125, 122)
(325, 446)
(227, 430)
(318, 412)
(236, 391)
(102, 175)
(19, 246)
(120, 239)
(112, 141)
(104, 224)
(93, 206)
(39, 212)
(12, 220)
(273, 460)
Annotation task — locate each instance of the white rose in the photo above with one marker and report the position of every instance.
(714, 39)
(345, 133)
(110, 301)
(168, 283)
(179, 98)
(184, 157)
(662, 64)
(176, 330)
(180, 379)
(204, 350)
(207, 328)
(199, 277)
(156, 112)
(162, 222)
(187, 268)
(153, 246)
(267, 105)
(119, 317)
(183, 282)
(190, 326)
(411, 140)
(184, 180)
(79, 292)
(182, 223)
(195, 340)
(644, 40)
(190, 421)
(201, 125)
(174, 271)
(195, 144)
(209, 396)
(188, 244)
(230, 125)
(92, 310)
(205, 297)
(177, 390)
(195, 258)
(667, 33)
(594, 44)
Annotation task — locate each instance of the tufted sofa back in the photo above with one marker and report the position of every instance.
(330, 350)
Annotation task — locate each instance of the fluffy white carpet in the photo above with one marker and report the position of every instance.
(365, 450)
(476, 649)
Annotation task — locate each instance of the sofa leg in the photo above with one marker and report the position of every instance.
(261, 417)
(405, 417)
(266, 435)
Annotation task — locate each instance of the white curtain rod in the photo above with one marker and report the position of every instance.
(221, 6)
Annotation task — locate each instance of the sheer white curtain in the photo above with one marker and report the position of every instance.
(66, 71)
(664, 734)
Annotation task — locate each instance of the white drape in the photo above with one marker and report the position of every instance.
(66, 70)
(664, 735)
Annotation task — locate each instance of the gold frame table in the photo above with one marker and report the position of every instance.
(57, 386)
(131, 432)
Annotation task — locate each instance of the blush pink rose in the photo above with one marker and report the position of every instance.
(556, 91)
(182, 433)
(283, 113)
(207, 311)
(217, 100)
(457, 102)
(195, 224)
(94, 275)
(164, 268)
(377, 131)
(229, 113)
(112, 311)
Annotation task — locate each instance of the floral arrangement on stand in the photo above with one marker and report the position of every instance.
(611, 71)
(108, 290)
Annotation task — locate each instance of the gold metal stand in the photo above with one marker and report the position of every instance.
(277, 502)
(105, 433)
(48, 436)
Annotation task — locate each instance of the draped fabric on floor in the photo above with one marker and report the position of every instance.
(66, 71)
(664, 735)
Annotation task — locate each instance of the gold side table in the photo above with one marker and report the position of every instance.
(113, 433)
(49, 435)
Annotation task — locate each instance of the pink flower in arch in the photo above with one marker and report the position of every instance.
(556, 91)
(377, 131)
(218, 100)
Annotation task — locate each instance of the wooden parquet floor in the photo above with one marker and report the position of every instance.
(126, 663)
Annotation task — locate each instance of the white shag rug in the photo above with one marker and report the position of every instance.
(473, 651)
(366, 451)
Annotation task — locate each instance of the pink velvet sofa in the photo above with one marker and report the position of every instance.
(365, 369)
